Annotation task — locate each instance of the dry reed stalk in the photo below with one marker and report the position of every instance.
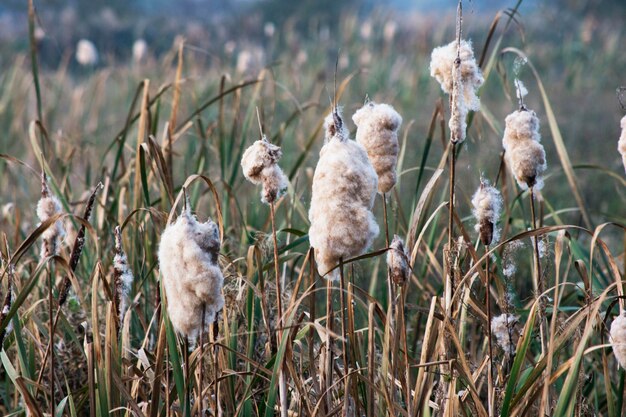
(7, 303)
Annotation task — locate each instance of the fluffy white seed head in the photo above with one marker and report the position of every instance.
(344, 188)
(122, 274)
(86, 53)
(618, 339)
(524, 154)
(191, 275)
(140, 50)
(398, 261)
(47, 207)
(377, 130)
(505, 328)
(621, 144)
(260, 166)
(487, 203)
(471, 78)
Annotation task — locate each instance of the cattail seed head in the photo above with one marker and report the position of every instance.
(86, 53)
(524, 154)
(260, 166)
(47, 207)
(122, 276)
(398, 261)
(487, 203)
(618, 339)
(191, 276)
(621, 144)
(471, 78)
(377, 130)
(344, 189)
(505, 328)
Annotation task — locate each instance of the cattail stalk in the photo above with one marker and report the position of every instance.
(6, 304)
(66, 284)
(539, 284)
(490, 389)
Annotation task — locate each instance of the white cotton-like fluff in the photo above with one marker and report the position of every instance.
(471, 78)
(524, 154)
(618, 339)
(344, 188)
(260, 166)
(86, 53)
(487, 203)
(47, 207)
(505, 329)
(191, 275)
(377, 130)
(621, 144)
(398, 261)
(520, 89)
(140, 50)
(122, 274)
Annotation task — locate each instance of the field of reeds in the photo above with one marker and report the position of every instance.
(143, 274)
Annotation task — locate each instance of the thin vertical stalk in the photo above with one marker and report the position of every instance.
(201, 370)
(490, 390)
(346, 358)
(449, 277)
(186, 410)
(538, 278)
(282, 389)
(329, 350)
(51, 336)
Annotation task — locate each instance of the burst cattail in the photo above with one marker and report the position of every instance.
(260, 166)
(344, 188)
(86, 53)
(461, 79)
(122, 276)
(618, 339)
(398, 261)
(377, 130)
(192, 278)
(621, 144)
(140, 50)
(524, 154)
(487, 203)
(505, 329)
(6, 305)
(47, 207)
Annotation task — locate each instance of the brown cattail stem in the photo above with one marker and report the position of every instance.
(279, 307)
(346, 357)
(51, 338)
(201, 372)
(490, 389)
(449, 288)
(538, 278)
(188, 379)
(329, 350)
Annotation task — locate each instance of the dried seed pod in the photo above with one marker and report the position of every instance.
(260, 166)
(471, 78)
(398, 261)
(47, 207)
(524, 154)
(191, 275)
(621, 144)
(487, 203)
(618, 339)
(344, 188)
(505, 328)
(377, 130)
(122, 276)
